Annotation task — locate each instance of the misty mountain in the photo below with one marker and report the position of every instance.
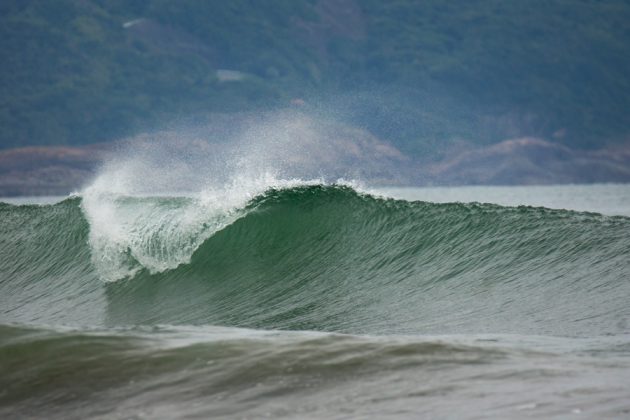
(421, 75)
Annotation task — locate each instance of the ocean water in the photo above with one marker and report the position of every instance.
(608, 199)
(317, 300)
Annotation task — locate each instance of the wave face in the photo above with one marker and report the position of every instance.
(328, 258)
(359, 284)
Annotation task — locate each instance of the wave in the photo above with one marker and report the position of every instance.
(316, 257)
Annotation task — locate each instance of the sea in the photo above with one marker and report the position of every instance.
(317, 300)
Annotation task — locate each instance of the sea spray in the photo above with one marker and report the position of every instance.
(133, 226)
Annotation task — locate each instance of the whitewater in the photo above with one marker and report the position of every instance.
(247, 285)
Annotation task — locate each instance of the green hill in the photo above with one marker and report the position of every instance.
(418, 73)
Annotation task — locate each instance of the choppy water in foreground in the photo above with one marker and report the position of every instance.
(314, 301)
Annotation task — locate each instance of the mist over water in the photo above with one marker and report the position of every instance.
(261, 273)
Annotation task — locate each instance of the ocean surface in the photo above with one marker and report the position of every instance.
(314, 300)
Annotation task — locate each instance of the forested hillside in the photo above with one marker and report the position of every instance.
(419, 74)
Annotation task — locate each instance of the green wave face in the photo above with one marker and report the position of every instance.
(322, 258)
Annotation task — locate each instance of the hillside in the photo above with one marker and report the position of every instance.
(420, 74)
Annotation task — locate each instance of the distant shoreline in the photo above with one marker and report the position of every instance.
(61, 170)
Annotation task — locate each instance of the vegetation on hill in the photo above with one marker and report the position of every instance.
(416, 73)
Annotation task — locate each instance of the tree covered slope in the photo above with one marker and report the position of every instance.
(420, 74)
